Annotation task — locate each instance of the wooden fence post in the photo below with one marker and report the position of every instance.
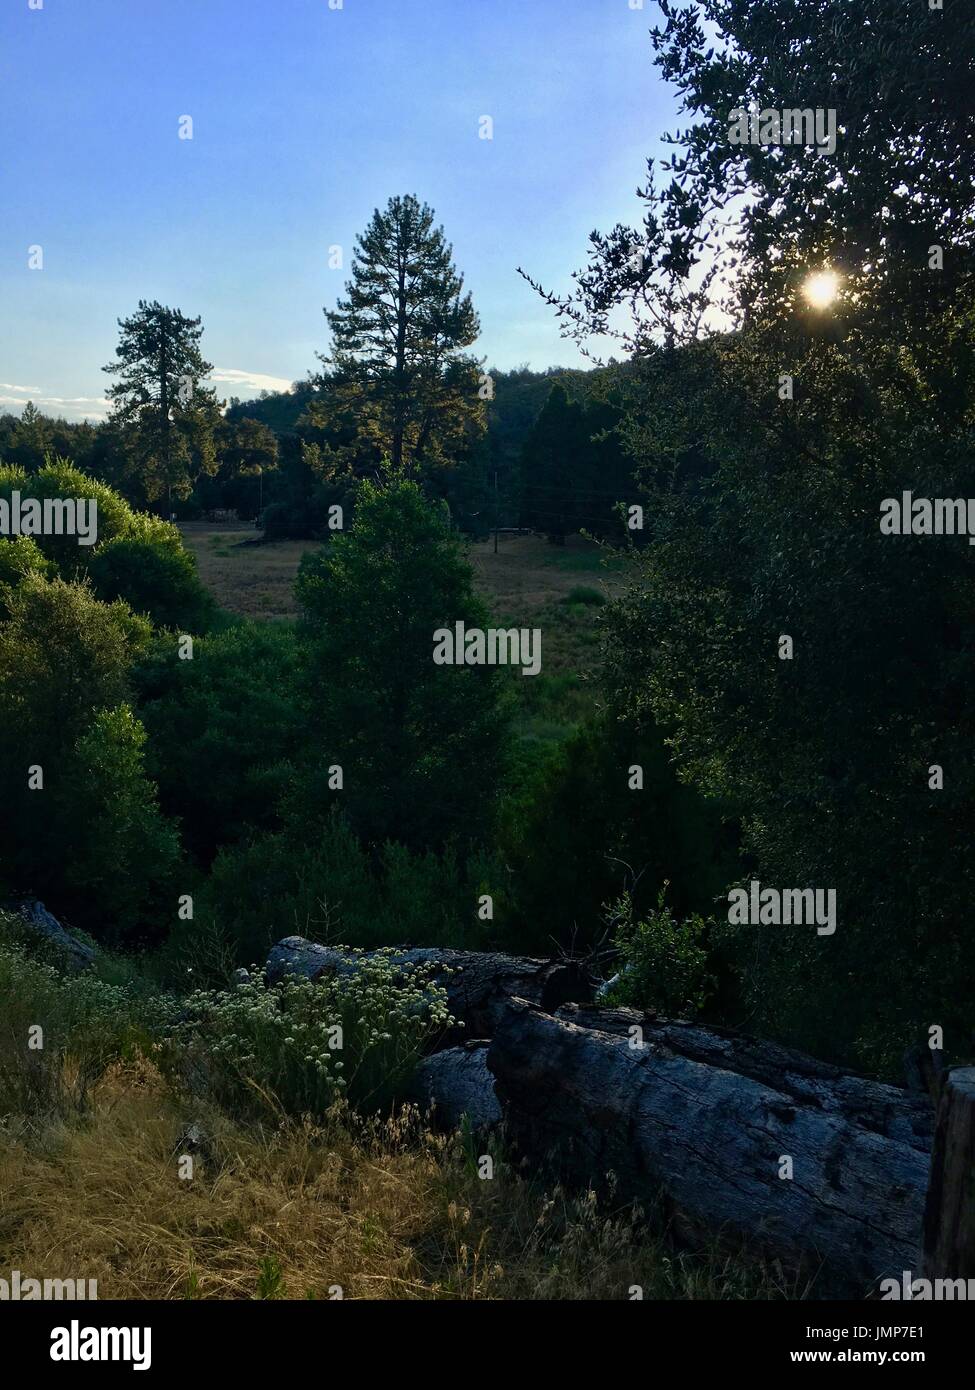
(949, 1215)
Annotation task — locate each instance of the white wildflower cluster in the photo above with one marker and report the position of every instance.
(303, 1044)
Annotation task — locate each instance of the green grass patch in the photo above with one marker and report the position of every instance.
(585, 595)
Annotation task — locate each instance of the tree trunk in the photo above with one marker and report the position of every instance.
(456, 1083)
(399, 389)
(949, 1218)
(714, 1122)
(478, 983)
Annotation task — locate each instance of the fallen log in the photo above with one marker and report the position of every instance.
(455, 1083)
(478, 983)
(740, 1137)
(949, 1218)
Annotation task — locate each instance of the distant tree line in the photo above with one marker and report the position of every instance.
(398, 383)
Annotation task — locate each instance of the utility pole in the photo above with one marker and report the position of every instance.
(496, 511)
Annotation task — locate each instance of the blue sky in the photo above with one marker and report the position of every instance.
(305, 118)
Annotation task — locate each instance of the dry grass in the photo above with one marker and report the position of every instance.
(383, 1212)
(526, 576)
(253, 580)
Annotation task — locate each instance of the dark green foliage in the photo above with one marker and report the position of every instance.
(574, 472)
(577, 833)
(90, 838)
(517, 400)
(587, 596)
(158, 580)
(550, 465)
(122, 853)
(225, 731)
(765, 508)
(469, 493)
(663, 962)
(279, 410)
(418, 743)
(304, 490)
(245, 474)
(329, 887)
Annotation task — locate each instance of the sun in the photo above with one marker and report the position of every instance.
(821, 289)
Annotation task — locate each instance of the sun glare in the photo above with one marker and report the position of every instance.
(821, 289)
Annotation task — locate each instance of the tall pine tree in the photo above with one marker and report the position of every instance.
(166, 415)
(397, 369)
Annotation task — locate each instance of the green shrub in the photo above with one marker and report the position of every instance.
(301, 1046)
(583, 593)
(330, 887)
(154, 578)
(225, 731)
(663, 961)
(573, 829)
(19, 557)
(63, 655)
(123, 852)
(86, 1025)
(59, 479)
(419, 742)
(136, 557)
(89, 838)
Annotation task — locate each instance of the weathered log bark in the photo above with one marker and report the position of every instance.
(456, 1082)
(70, 953)
(478, 983)
(949, 1217)
(707, 1118)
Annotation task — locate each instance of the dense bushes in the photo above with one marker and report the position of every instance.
(136, 557)
(84, 828)
(664, 962)
(123, 853)
(418, 743)
(579, 832)
(225, 731)
(18, 558)
(157, 579)
(86, 1024)
(258, 1050)
(330, 887)
(210, 770)
(227, 751)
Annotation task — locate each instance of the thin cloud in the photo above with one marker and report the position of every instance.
(254, 381)
(72, 408)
